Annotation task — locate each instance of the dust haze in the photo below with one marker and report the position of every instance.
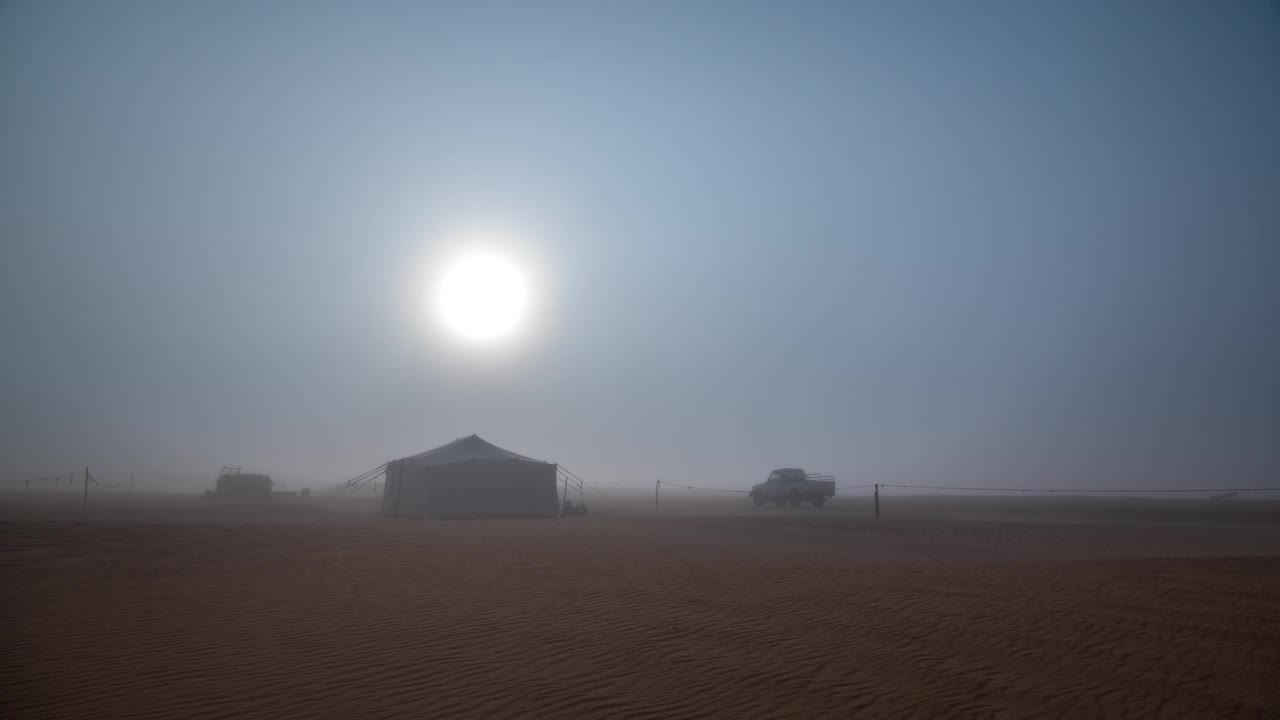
(641, 361)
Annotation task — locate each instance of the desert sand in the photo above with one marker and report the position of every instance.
(946, 607)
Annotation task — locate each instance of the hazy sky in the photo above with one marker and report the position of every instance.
(1017, 243)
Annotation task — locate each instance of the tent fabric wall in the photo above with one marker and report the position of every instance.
(391, 488)
(475, 480)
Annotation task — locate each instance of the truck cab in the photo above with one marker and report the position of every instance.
(793, 486)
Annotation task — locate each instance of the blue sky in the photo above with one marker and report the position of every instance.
(1016, 243)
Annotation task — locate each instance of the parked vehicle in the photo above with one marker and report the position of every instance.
(235, 485)
(792, 486)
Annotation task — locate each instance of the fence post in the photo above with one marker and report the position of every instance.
(656, 487)
(130, 483)
(85, 503)
(877, 501)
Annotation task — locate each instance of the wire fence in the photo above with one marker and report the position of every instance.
(353, 485)
(569, 481)
(569, 478)
(796, 497)
(1010, 490)
(95, 481)
(738, 491)
(55, 479)
(1080, 491)
(703, 489)
(72, 478)
(69, 477)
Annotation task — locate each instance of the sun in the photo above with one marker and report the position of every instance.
(482, 296)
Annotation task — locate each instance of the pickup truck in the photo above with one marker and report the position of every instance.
(792, 486)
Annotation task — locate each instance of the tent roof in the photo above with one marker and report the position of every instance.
(471, 448)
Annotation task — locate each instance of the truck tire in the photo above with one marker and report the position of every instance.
(757, 500)
(818, 500)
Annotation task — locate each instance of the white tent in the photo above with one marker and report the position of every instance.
(470, 477)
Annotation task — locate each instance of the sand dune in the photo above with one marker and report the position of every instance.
(763, 615)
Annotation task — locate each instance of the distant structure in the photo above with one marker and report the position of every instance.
(470, 477)
(236, 485)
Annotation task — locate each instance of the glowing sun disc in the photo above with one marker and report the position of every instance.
(482, 297)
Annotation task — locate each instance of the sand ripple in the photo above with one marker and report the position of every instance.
(630, 619)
